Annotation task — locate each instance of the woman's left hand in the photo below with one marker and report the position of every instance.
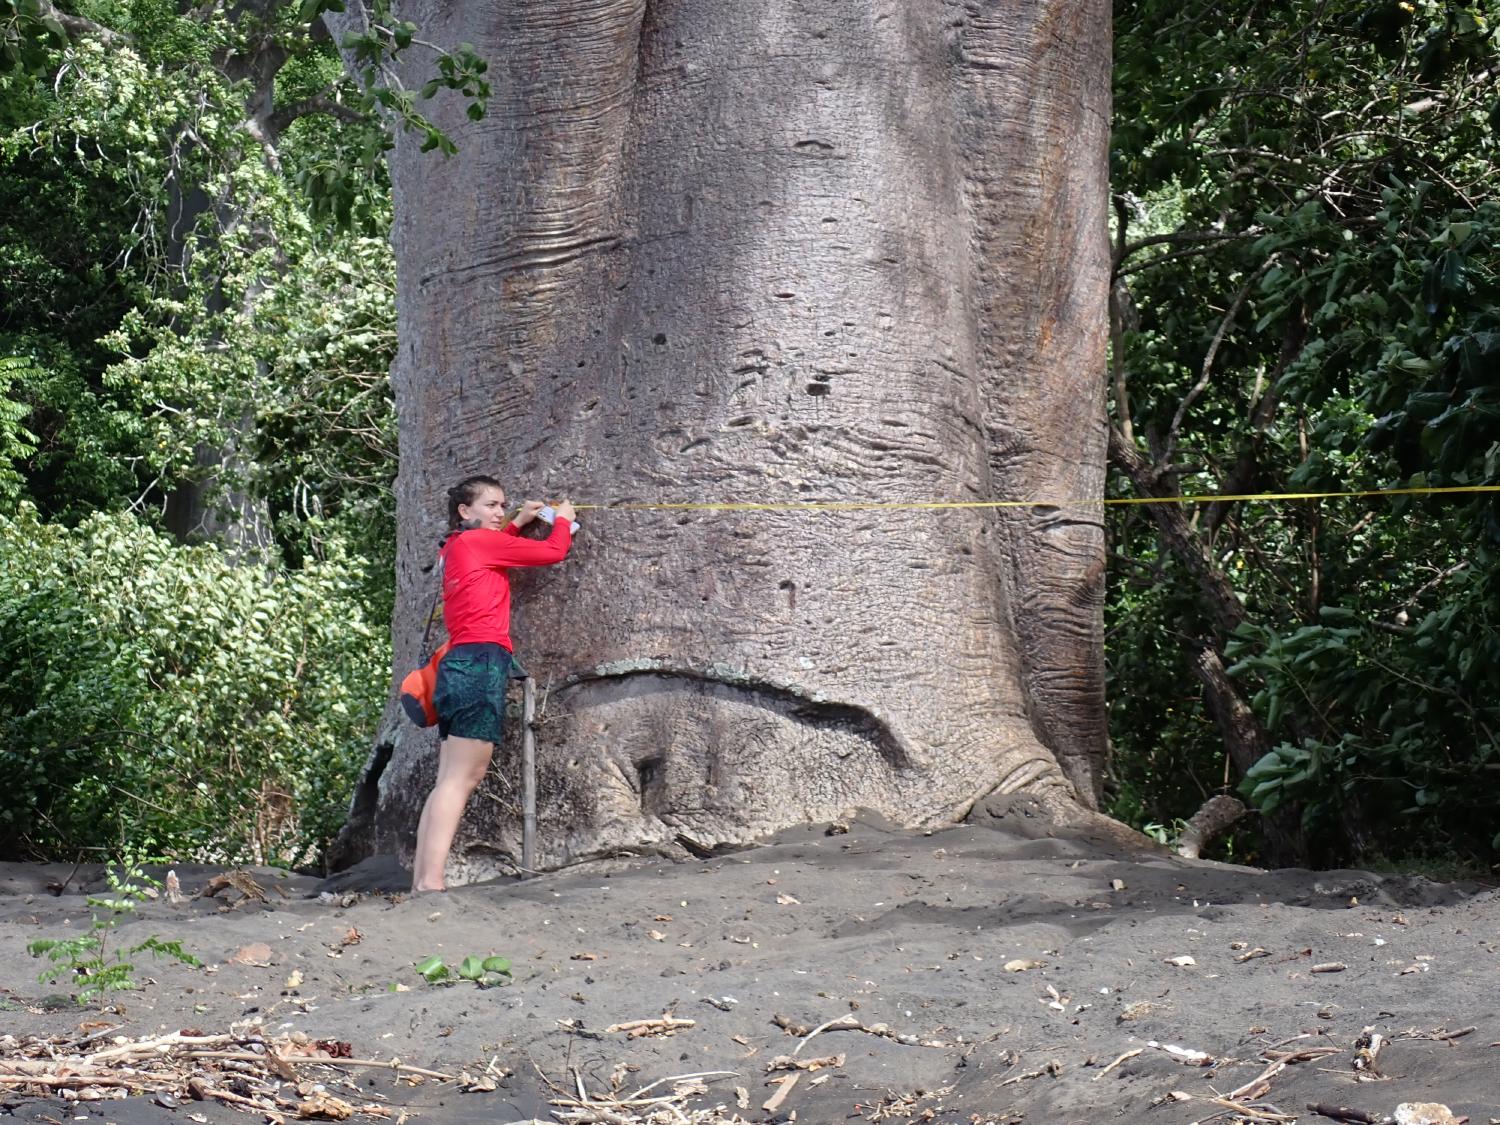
(528, 512)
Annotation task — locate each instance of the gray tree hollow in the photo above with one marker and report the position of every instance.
(773, 251)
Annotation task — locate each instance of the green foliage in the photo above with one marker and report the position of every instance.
(68, 278)
(193, 214)
(158, 696)
(1403, 740)
(16, 441)
(483, 971)
(87, 959)
(1306, 288)
(381, 42)
(26, 34)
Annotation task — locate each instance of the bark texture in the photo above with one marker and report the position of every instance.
(794, 250)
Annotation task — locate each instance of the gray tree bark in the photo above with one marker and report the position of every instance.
(777, 250)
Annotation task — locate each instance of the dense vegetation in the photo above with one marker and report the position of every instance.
(1305, 300)
(197, 442)
(196, 439)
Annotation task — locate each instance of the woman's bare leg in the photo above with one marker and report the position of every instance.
(462, 763)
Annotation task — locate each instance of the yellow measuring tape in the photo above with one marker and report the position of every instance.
(883, 505)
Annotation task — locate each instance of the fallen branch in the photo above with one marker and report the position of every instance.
(579, 1106)
(1118, 1061)
(1305, 1055)
(1342, 1113)
(1260, 1085)
(73, 1081)
(190, 1064)
(686, 1078)
(203, 1091)
(849, 1023)
(1438, 1036)
(162, 1044)
(773, 1103)
(791, 1062)
(837, 1021)
(314, 1060)
(1053, 1068)
(1237, 1107)
(662, 1025)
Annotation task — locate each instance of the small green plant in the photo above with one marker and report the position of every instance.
(1167, 834)
(88, 958)
(485, 972)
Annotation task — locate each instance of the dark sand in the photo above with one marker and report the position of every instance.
(904, 929)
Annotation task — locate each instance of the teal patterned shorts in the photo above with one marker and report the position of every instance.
(470, 691)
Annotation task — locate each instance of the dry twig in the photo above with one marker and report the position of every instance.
(1118, 1061)
(662, 1025)
(849, 1023)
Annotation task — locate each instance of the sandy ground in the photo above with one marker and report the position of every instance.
(924, 934)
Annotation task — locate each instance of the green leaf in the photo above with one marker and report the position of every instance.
(432, 969)
(497, 965)
(472, 968)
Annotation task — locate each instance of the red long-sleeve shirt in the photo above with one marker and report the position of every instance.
(476, 588)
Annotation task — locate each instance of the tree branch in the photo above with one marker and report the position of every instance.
(78, 27)
(1117, 297)
(1169, 446)
(1224, 606)
(1124, 250)
(1189, 252)
(321, 102)
(1247, 463)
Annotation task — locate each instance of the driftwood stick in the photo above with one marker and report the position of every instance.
(1030, 1074)
(16, 1067)
(845, 1021)
(73, 1081)
(849, 1023)
(92, 1037)
(162, 1045)
(1307, 1054)
(1449, 1036)
(1341, 1113)
(1251, 1112)
(773, 1103)
(201, 1090)
(685, 1077)
(386, 1064)
(1438, 1036)
(613, 1103)
(311, 1060)
(1118, 1061)
(792, 1062)
(1260, 1085)
(637, 1028)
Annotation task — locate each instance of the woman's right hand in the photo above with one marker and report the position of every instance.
(565, 511)
(529, 511)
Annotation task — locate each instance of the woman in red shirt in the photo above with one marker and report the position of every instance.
(469, 696)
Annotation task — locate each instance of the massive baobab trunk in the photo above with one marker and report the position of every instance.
(775, 250)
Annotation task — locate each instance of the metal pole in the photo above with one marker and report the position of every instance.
(528, 777)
